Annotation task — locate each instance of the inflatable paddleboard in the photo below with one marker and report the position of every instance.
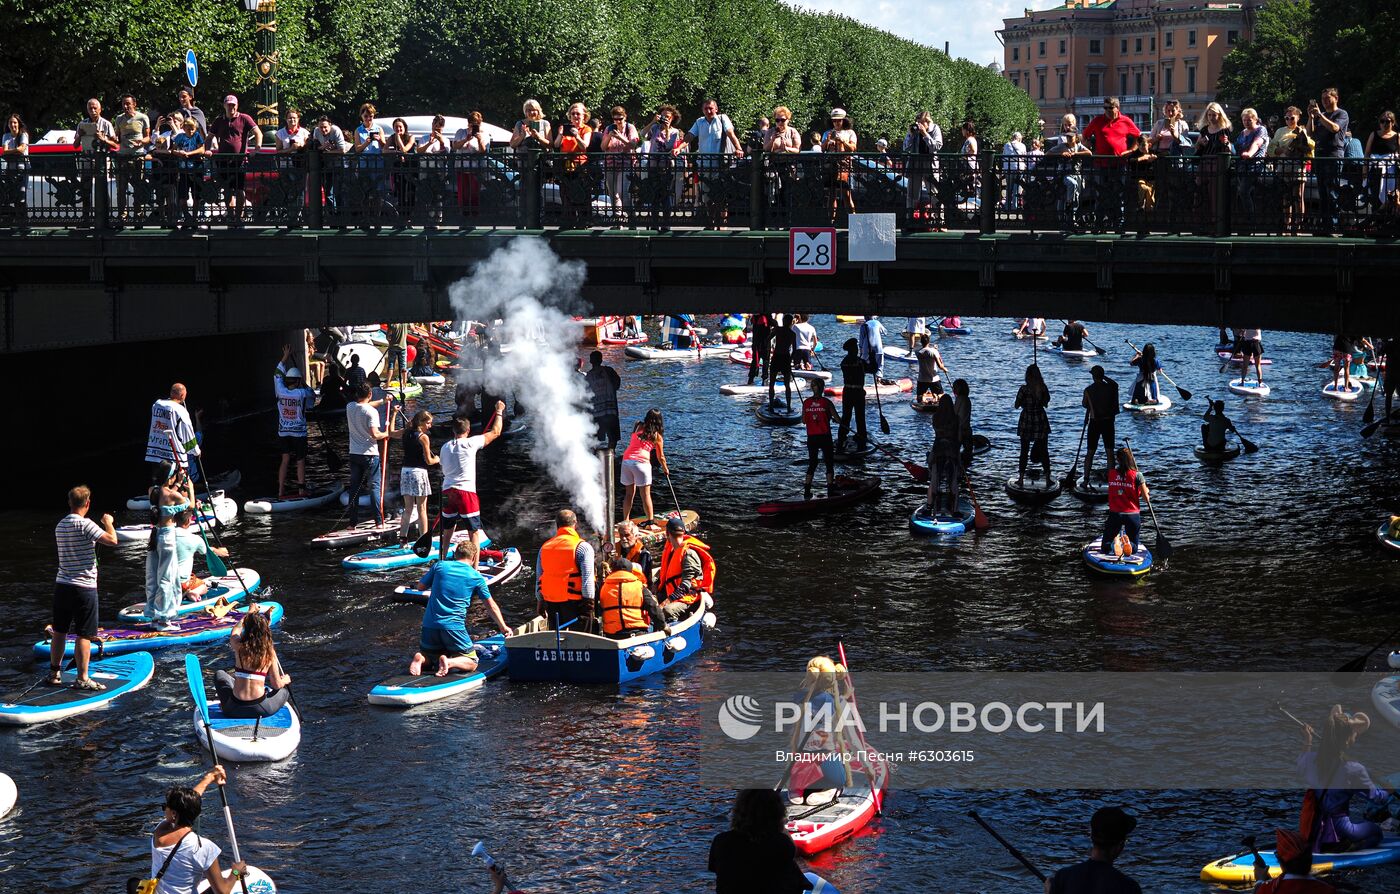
(899, 386)
(194, 629)
(9, 795)
(1248, 389)
(217, 484)
(256, 880)
(653, 536)
(495, 571)
(1385, 695)
(942, 525)
(816, 828)
(1081, 354)
(648, 352)
(406, 392)
(1095, 491)
(1216, 456)
(845, 492)
(1239, 869)
(387, 557)
(1035, 491)
(246, 739)
(364, 532)
(852, 454)
(798, 388)
(1383, 535)
(430, 379)
(318, 497)
(41, 702)
(848, 318)
(820, 885)
(366, 500)
(232, 587)
(1163, 404)
(403, 690)
(900, 355)
(924, 406)
(1238, 359)
(1139, 563)
(1338, 391)
(953, 330)
(220, 510)
(1019, 335)
(778, 413)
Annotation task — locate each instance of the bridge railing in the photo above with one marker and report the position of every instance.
(1217, 195)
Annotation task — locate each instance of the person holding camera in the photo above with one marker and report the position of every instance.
(1292, 148)
(575, 186)
(1328, 124)
(329, 140)
(782, 142)
(620, 139)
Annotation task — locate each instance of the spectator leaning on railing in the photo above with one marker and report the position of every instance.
(1111, 135)
(133, 130)
(1292, 148)
(921, 146)
(712, 135)
(94, 135)
(234, 134)
(1383, 145)
(14, 153)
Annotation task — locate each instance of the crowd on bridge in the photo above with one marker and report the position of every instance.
(1304, 172)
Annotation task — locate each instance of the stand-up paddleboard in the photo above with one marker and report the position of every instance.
(318, 497)
(364, 532)
(980, 445)
(250, 739)
(194, 629)
(1139, 563)
(1239, 869)
(232, 587)
(1038, 336)
(666, 352)
(366, 500)
(1163, 404)
(1035, 491)
(1072, 354)
(403, 690)
(942, 524)
(387, 557)
(371, 355)
(1383, 535)
(431, 379)
(924, 406)
(778, 413)
(257, 881)
(844, 492)
(1093, 490)
(40, 703)
(820, 885)
(1339, 391)
(898, 386)
(9, 795)
(1248, 389)
(1216, 456)
(496, 572)
(224, 481)
(852, 454)
(953, 330)
(747, 390)
(219, 510)
(900, 355)
(1385, 695)
(406, 392)
(849, 318)
(1238, 359)
(653, 536)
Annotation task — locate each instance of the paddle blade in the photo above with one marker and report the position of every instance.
(1185, 395)
(423, 545)
(884, 424)
(194, 675)
(1248, 445)
(1356, 665)
(1371, 429)
(216, 564)
(979, 519)
(1164, 548)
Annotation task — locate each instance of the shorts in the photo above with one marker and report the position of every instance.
(1250, 347)
(293, 446)
(393, 356)
(782, 363)
(636, 473)
(817, 447)
(414, 482)
(801, 357)
(462, 504)
(452, 643)
(934, 387)
(609, 429)
(74, 610)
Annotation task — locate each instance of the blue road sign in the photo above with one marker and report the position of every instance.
(191, 68)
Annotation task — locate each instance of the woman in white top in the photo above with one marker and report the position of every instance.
(472, 138)
(14, 149)
(663, 147)
(435, 172)
(1169, 133)
(291, 137)
(186, 857)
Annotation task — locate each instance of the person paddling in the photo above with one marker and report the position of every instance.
(564, 574)
(365, 433)
(1295, 858)
(1031, 327)
(1342, 347)
(818, 412)
(1033, 428)
(1145, 389)
(962, 403)
(1126, 487)
(293, 400)
(75, 586)
(930, 363)
(257, 687)
(1249, 345)
(872, 347)
(1215, 426)
(453, 584)
(852, 396)
(648, 436)
(415, 487)
(1102, 404)
(170, 417)
(943, 461)
(762, 341)
(1334, 779)
(1109, 829)
(168, 500)
(180, 858)
(625, 603)
(784, 340)
(1072, 338)
(460, 502)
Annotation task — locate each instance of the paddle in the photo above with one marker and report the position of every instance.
(1185, 395)
(667, 473)
(979, 518)
(1369, 430)
(1011, 848)
(917, 472)
(216, 565)
(1261, 869)
(884, 423)
(423, 546)
(1164, 547)
(1096, 348)
(194, 675)
(1370, 415)
(875, 792)
(1359, 663)
(1073, 474)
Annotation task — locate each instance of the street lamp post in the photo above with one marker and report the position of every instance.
(265, 61)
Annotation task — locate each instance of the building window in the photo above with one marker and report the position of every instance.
(1095, 47)
(1167, 80)
(1168, 39)
(1191, 38)
(1190, 79)
(1137, 45)
(1152, 44)
(1152, 82)
(1015, 54)
(1041, 91)
(1123, 45)
(1122, 83)
(1232, 38)
(1062, 47)
(1061, 77)
(1137, 83)
(1095, 85)
(1041, 47)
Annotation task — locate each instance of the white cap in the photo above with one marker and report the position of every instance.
(882, 142)
(837, 113)
(292, 373)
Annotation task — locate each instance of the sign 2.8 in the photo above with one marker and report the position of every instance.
(812, 250)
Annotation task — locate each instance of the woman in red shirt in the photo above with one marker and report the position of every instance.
(1125, 489)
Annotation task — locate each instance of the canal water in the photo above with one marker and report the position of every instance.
(594, 789)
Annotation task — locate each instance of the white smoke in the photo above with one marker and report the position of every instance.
(532, 290)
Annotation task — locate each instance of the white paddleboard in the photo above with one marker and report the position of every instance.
(1338, 391)
(1248, 389)
(318, 497)
(1163, 404)
(9, 795)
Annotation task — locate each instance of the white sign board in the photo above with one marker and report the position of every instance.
(871, 237)
(812, 250)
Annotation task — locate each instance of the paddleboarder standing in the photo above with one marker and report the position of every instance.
(758, 351)
(75, 585)
(1126, 487)
(293, 400)
(362, 421)
(458, 459)
(170, 416)
(784, 340)
(930, 363)
(852, 396)
(1101, 403)
(818, 412)
(872, 347)
(603, 384)
(1109, 829)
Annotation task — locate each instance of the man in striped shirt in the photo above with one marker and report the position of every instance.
(75, 586)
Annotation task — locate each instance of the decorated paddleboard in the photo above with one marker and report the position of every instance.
(316, 498)
(1339, 391)
(364, 532)
(1216, 456)
(232, 587)
(40, 702)
(194, 629)
(387, 557)
(943, 524)
(496, 571)
(404, 690)
(405, 392)
(1035, 490)
(650, 536)
(1164, 403)
(1136, 565)
(1239, 869)
(256, 880)
(898, 386)
(1248, 389)
(666, 352)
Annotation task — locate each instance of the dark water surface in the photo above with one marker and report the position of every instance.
(594, 789)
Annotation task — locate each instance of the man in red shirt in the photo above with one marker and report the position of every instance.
(1112, 136)
(818, 412)
(237, 135)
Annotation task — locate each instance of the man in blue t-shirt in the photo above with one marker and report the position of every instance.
(453, 585)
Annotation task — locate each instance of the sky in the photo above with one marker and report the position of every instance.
(968, 26)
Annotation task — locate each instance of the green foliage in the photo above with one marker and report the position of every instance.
(1269, 72)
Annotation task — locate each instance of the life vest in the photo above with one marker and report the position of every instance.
(620, 601)
(672, 560)
(1122, 491)
(635, 552)
(560, 580)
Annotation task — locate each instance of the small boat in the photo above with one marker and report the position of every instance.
(1136, 565)
(1239, 869)
(1385, 695)
(1035, 491)
(778, 413)
(1164, 403)
(193, 630)
(1093, 490)
(387, 557)
(653, 536)
(845, 492)
(666, 352)
(943, 524)
(625, 340)
(1216, 456)
(1383, 535)
(496, 571)
(314, 499)
(898, 386)
(405, 690)
(232, 587)
(1339, 391)
(40, 702)
(538, 654)
(1247, 389)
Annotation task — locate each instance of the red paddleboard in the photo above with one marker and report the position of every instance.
(845, 492)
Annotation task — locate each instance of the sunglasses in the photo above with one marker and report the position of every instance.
(780, 120)
(619, 118)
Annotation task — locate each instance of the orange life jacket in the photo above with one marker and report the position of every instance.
(560, 580)
(672, 560)
(620, 601)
